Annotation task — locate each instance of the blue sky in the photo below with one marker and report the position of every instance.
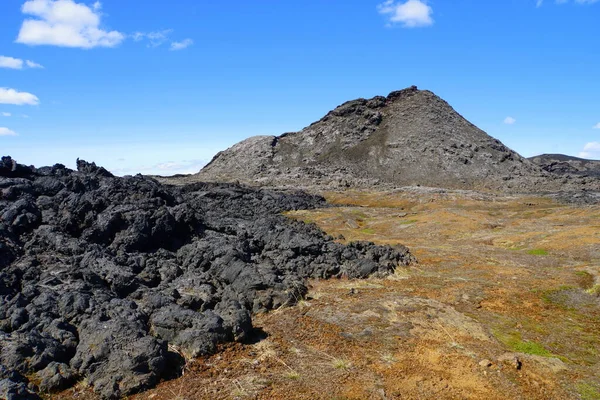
(160, 87)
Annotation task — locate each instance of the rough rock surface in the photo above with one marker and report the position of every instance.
(411, 137)
(567, 165)
(115, 279)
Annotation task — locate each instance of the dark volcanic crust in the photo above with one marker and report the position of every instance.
(114, 279)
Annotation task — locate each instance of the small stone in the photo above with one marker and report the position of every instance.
(352, 224)
(485, 363)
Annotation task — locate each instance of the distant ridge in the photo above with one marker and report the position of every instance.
(410, 137)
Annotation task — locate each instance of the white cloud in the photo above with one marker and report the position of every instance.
(182, 45)
(65, 23)
(155, 38)
(591, 150)
(11, 96)
(10, 62)
(17, 63)
(7, 132)
(411, 13)
(509, 120)
(597, 126)
(32, 64)
(6, 114)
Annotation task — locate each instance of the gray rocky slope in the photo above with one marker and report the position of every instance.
(410, 137)
(118, 280)
(567, 165)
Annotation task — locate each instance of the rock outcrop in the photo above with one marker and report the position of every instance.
(411, 137)
(567, 165)
(118, 280)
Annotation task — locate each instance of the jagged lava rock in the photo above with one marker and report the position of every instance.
(101, 276)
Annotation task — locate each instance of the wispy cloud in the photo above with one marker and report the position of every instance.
(597, 126)
(410, 14)
(17, 63)
(591, 150)
(7, 132)
(12, 96)
(165, 168)
(155, 39)
(65, 23)
(31, 64)
(539, 3)
(158, 38)
(6, 114)
(509, 121)
(181, 45)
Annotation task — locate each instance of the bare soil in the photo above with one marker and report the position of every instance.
(503, 304)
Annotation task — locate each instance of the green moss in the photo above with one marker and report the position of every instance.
(368, 231)
(587, 391)
(531, 348)
(538, 252)
(514, 341)
(408, 222)
(594, 290)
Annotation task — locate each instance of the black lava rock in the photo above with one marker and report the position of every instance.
(111, 279)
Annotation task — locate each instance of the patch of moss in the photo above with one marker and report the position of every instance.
(538, 252)
(587, 391)
(408, 222)
(368, 231)
(594, 290)
(530, 348)
(514, 341)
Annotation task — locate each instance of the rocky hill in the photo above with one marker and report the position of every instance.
(117, 281)
(567, 165)
(410, 137)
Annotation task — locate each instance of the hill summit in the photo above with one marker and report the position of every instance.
(410, 137)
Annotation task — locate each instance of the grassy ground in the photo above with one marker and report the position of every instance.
(503, 304)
